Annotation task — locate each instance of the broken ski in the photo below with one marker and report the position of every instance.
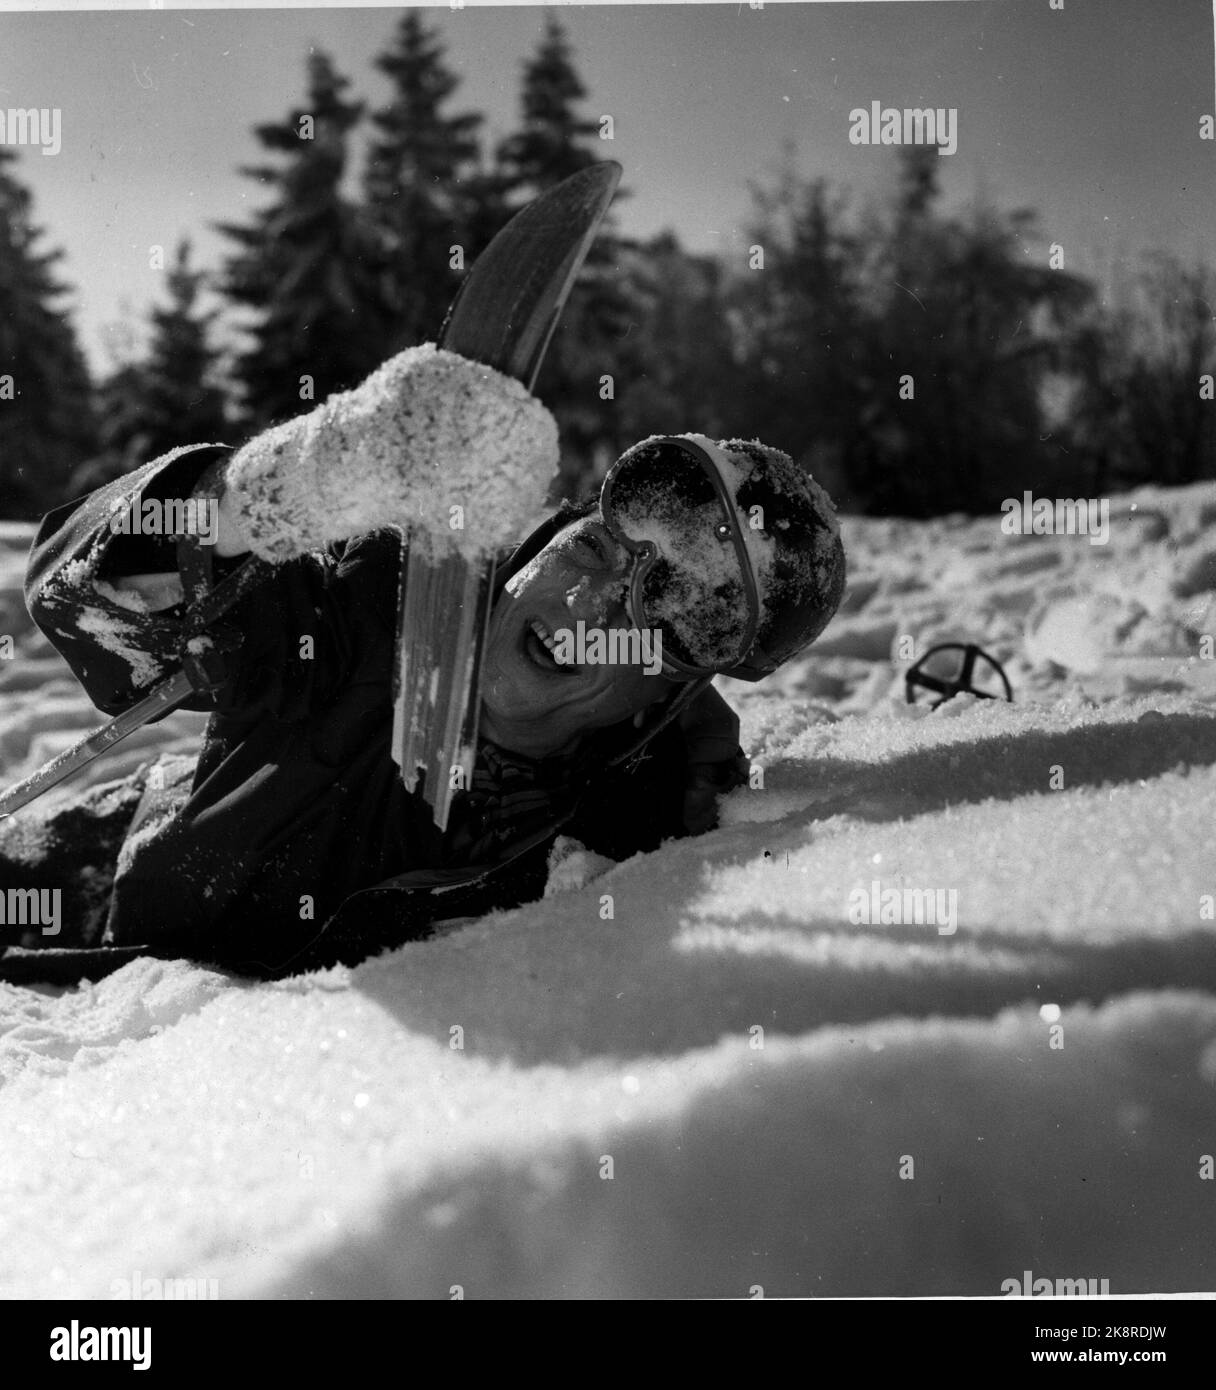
(503, 315)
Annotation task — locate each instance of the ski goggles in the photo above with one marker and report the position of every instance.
(669, 504)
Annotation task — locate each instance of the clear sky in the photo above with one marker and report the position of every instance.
(1090, 114)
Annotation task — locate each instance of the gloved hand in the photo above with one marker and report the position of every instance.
(427, 432)
(716, 762)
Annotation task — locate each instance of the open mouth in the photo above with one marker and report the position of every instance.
(539, 645)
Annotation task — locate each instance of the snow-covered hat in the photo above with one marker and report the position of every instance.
(783, 518)
(737, 551)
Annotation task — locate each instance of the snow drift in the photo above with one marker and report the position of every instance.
(727, 1084)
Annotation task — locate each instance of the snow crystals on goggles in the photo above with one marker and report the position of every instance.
(667, 501)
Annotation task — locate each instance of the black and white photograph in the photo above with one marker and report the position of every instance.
(608, 663)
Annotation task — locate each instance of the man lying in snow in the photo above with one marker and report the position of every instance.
(293, 843)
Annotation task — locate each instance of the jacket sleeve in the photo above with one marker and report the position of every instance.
(116, 648)
(671, 790)
(302, 632)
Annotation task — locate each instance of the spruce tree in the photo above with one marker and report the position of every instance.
(683, 374)
(550, 145)
(799, 324)
(185, 405)
(980, 330)
(1159, 371)
(123, 436)
(420, 188)
(171, 398)
(303, 264)
(590, 345)
(47, 423)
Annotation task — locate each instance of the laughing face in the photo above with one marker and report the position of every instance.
(531, 702)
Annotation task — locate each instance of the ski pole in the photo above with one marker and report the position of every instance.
(162, 700)
(197, 675)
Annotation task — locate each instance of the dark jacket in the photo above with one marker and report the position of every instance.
(296, 812)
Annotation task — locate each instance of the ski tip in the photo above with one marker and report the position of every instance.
(603, 174)
(582, 193)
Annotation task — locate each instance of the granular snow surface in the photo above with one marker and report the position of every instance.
(728, 1083)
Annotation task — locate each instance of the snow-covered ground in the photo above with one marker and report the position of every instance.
(730, 1084)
